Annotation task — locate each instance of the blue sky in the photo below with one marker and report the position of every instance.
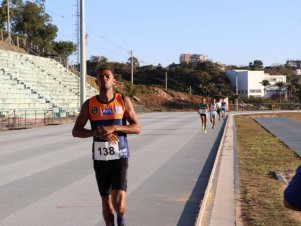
(158, 31)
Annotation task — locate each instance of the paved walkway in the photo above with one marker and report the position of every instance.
(286, 130)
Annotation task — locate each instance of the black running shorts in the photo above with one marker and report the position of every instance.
(111, 175)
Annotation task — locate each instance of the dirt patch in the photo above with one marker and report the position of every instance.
(6, 46)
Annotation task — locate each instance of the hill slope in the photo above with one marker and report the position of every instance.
(158, 99)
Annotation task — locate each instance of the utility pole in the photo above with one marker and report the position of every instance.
(132, 68)
(166, 80)
(82, 53)
(9, 39)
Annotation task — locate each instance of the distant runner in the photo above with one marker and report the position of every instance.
(203, 109)
(219, 109)
(108, 114)
(213, 113)
(223, 109)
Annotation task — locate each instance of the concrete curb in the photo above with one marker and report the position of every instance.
(214, 176)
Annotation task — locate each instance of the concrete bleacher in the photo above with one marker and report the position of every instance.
(32, 82)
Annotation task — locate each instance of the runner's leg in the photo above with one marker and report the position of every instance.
(118, 199)
(107, 210)
(202, 119)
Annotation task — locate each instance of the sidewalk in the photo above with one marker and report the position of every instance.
(218, 206)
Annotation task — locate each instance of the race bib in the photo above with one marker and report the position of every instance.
(202, 111)
(106, 151)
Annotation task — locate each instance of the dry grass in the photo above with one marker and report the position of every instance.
(260, 154)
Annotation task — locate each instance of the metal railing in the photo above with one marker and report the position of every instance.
(264, 106)
(28, 118)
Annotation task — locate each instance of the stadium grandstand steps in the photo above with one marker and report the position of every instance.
(36, 83)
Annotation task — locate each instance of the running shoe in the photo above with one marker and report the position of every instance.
(205, 131)
(121, 221)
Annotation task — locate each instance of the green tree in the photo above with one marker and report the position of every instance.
(281, 86)
(30, 21)
(256, 65)
(64, 49)
(293, 88)
(15, 6)
(135, 62)
(95, 63)
(265, 83)
(3, 14)
(212, 68)
(221, 88)
(208, 89)
(98, 59)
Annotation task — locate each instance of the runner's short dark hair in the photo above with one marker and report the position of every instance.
(105, 67)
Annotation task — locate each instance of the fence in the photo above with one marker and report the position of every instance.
(28, 118)
(264, 106)
(23, 43)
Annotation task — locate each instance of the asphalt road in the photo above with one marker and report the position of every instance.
(47, 179)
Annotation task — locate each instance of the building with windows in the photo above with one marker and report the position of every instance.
(294, 63)
(249, 83)
(193, 59)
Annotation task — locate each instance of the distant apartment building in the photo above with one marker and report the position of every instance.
(294, 63)
(193, 59)
(249, 83)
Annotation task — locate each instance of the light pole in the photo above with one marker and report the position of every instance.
(166, 80)
(82, 53)
(132, 68)
(236, 99)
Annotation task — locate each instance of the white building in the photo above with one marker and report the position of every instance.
(249, 83)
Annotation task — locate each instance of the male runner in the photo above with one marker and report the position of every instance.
(203, 109)
(108, 114)
(223, 109)
(212, 109)
(218, 109)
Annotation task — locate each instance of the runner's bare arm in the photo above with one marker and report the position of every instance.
(79, 129)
